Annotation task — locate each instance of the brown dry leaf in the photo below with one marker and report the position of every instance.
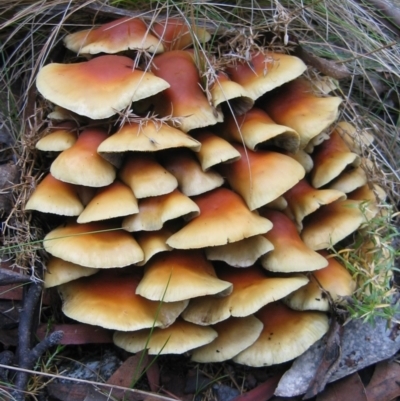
(129, 371)
(153, 373)
(349, 388)
(385, 383)
(78, 333)
(262, 392)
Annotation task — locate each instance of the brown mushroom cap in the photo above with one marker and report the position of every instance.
(242, 253)
(252, 289)
(115, 200)
(285, 336)
(176, 34)
(256, 171)
(146, 177)
(114, 37)
(333, 279)
(147, 137)
(61, 137)
(155, 211)
(97, 88)
(214, 150)
(332, 223)
(178, 338)
(223, 89)
(81, 165)
(294, 105)
(96, 244)
(184, 98)
(108, 299)
(255, 129)
(59, 271)
(55, 196)
(179, 275)
(265, 72)
(192, 180)
(303, 199)
(223, 218)
(331, 158)
(290, 253)
(234, 336)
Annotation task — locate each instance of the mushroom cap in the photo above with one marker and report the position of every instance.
(97, 88)
(303, 199)
(256, 129)
(223, 89)
(303, 158)
(350, 180)
(108, 299)
(192, 180)
(155, 211)
(59, 271)
(55, 196)
(234, 336)
(114, 37)
(334, 279)
(332, 223)
(255, 171)
(290, 253)
(146, 177)
(356, 139)
(214, 150)
(153, 242)
(252, 289)
(95, 244)
(178, 338)
(176, 34)
(242, 253)
(115, 200)
(331, 158)
(61, 137)
(179, 275)
(294, 105)
(265, 72)
(184, 98)
(223, 218)
(285, 336)
(147, 137)
(81, 165)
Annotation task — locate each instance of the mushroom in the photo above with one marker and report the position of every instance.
(114, 37)
(265, 71)
(100, 245)
(184, 98)
(256, 171)
(61, 137)
(326, 285)
(294, 105)
(108, 299)
(55, 196)
(178, 338)
(256, 129)
(252, 289)
(179, 275)
(115, 200)
(223, 218)
(155, 211)
(285, 336)
(234, 335)
(81, 165)
(97, 88)
(290, 253)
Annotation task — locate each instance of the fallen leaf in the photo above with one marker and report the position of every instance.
(263, 392)
(129, 371)
(349, 388)
(385, 382)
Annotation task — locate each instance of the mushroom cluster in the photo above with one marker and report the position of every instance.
(202, 223)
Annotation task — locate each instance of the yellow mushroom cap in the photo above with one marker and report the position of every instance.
(97, 88)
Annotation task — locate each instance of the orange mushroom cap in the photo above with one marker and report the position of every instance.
(61, 137)
(184, 98)
(97, 88)
(114, 37)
